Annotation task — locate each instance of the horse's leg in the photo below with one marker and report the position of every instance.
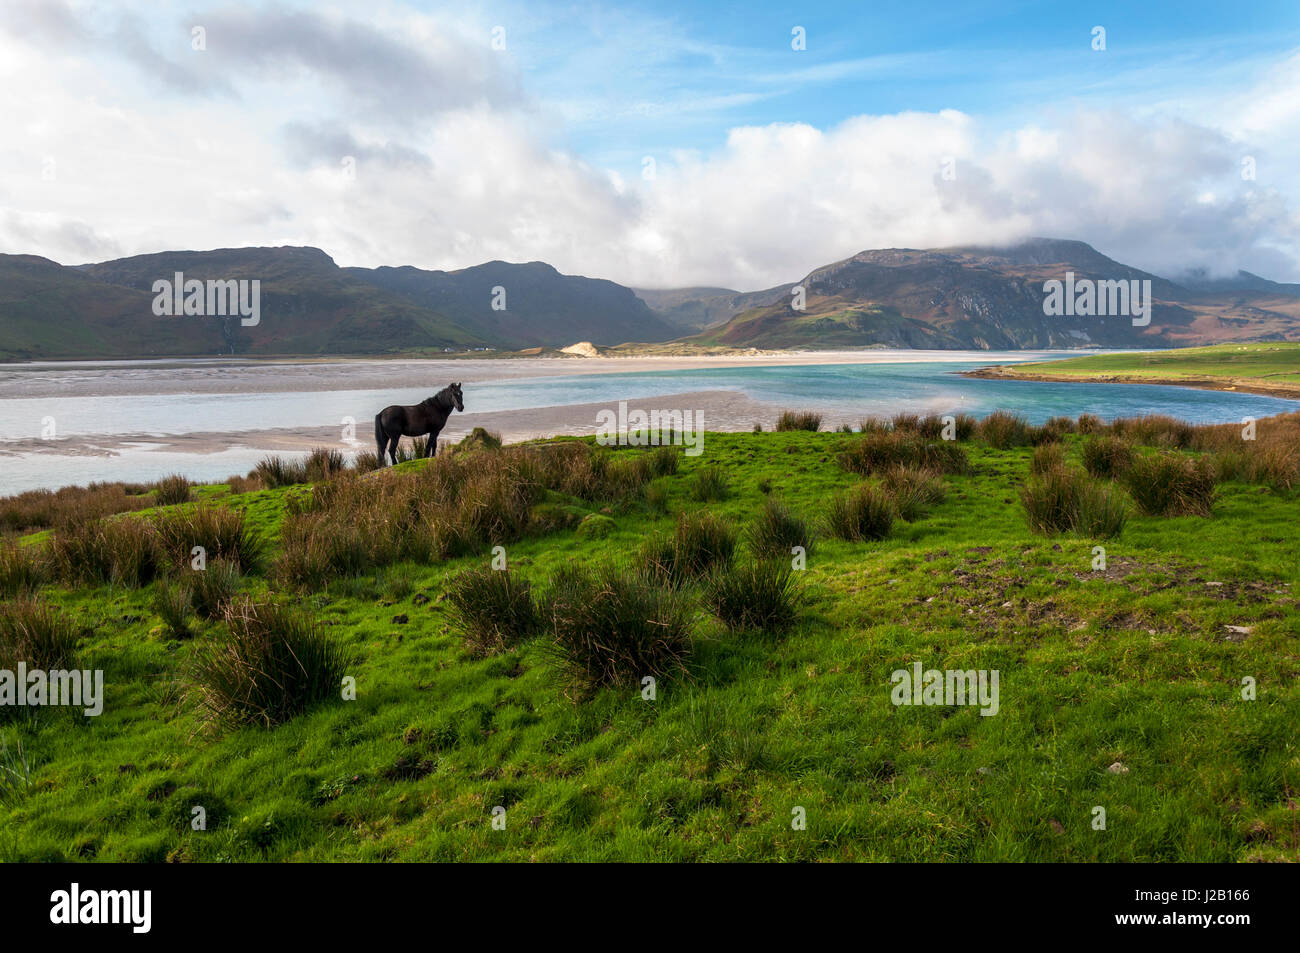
(431, 449)
(392, 447)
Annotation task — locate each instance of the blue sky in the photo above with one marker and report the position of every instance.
(393, 132)
(651, 77)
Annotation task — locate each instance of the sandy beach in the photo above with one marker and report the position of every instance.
(714, 410)
(77, 379)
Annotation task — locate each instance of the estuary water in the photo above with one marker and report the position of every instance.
(74, 423)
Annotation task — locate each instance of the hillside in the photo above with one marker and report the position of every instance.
(542, 307)
(992, 298)
(48, 310)
(309, 305)
(1120, 685)
(956, 298)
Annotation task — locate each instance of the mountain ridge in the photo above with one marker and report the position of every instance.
(969, 297)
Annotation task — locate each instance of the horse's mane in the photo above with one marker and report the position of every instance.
(443, 399)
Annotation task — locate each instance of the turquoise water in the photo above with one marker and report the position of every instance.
(849, 391)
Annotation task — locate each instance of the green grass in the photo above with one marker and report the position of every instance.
(1271, 363)
(1132, 663)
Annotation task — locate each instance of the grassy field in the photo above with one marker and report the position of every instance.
(1272, 368)
(1120, 689)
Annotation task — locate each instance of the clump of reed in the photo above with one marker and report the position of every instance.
(877, 451)
(1062, 500)
(757, 595)
(272, 663)
(776, 531)
(864, 512)
(1108, 457)
(1171, 484)
(699, 543)
(798, 420)
(494, 608)
(614, 626)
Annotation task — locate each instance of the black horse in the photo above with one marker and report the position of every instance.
(427, 417)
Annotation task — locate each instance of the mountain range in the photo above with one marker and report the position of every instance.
(967, 297)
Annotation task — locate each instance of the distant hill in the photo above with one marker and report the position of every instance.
(542, 307)
(48, 310)
(308, 304)
(992, 298)
(1242, 281)
(699, 308)
(971, 297)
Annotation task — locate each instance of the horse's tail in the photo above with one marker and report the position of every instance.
(380, 437)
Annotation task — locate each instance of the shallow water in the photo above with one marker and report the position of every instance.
(238, 400)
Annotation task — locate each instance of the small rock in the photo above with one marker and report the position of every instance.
(1240, 629)
(1214, 584)
(931, 599)
(1006, 605)
(1119, 767)
(983, 770)
(400, 619)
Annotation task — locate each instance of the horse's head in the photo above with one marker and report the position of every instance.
(458, 397)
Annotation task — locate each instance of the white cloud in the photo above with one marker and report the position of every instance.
(466, 168)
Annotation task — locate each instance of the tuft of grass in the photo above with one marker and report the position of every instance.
(1068, 501)
(273, 664)
(125, 551)
(174, 605)
(1047, 456)
(494, 608)
(914, 490)
(172, 490)
(1107, 456)
(710, 484)
(798, 420)
(37, 633)
(775, 531)
(700, 542)
(613, 626)
(276, 471)
(1002, 430)
(864, 512)
(664, 461)
(1156, 430)
(1089, 424)
(759, 595)
(1170, 484)
(212, 589)
(21, 568)
(221, 531)
(366, 461)
(323, 463)
(879, 450)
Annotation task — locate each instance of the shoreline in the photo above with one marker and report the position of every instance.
(1238, 385)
